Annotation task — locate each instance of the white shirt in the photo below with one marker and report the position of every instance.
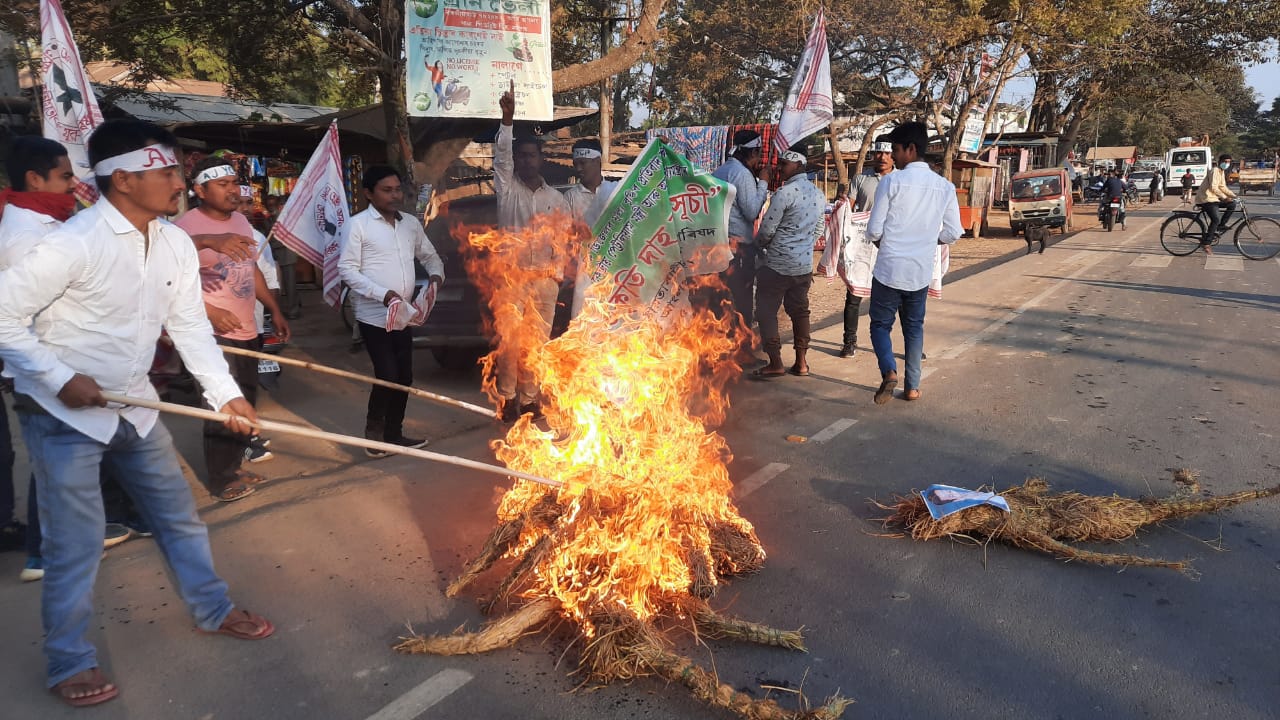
(267, 264)
(99, 298)
(20, 230)
(378, 256)
(517, 204)
(914, 210)
(587, 204)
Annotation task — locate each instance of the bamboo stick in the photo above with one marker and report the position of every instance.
(230, 350)
(291, 429)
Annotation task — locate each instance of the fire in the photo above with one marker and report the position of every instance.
(644, 527)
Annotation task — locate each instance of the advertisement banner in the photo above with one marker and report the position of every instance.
(667, 220)
(463, 54)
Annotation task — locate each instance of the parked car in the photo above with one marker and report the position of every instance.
(1141, 180)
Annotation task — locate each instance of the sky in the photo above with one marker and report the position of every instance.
(1266, 80)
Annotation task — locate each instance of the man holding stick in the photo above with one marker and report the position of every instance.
(377, 264)
(99, 289)
(230, 288)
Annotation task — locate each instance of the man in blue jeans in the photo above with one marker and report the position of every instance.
(915, 210)
(99, 289)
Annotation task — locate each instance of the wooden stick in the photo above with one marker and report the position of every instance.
(291, 429)
(230, 350)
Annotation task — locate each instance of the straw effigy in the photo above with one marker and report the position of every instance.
(1049, 522)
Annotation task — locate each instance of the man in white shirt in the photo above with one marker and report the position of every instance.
(99, 289)
(522, 196)
(591, 193)
(377, 264)
(746, 171)
(915, 210)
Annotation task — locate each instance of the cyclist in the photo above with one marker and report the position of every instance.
(1216, 200)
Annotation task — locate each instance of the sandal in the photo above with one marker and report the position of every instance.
(912, 394)
(798, 372)
(250, 478)
(760, 374)
(86, 688)
(244, 625)
(233, 492)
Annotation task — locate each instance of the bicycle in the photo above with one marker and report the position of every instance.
(1257, 238)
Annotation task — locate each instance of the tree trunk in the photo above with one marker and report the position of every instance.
(842, 172)
(619, 59)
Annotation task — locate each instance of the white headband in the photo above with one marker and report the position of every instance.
(215, 172)
(246, 191)
(148, 158)
(585, 153)
(753, 143)
(792, 156)
(881, 147)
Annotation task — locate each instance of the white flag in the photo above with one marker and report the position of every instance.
(313, 222)
(808, 107)
(69, 106)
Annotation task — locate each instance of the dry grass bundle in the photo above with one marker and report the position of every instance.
(1047, 522)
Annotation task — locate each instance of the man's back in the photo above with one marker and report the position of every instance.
(915, 209)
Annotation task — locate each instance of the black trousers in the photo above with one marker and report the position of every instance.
(224, 449)
(392, 357)
(740, 277)
(852, 305)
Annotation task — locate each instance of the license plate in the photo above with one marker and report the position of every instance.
(1115, 205)
(268, 366)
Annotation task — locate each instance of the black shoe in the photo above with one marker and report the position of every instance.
(370, 452)
(406, 442)
(848, 351)
(510, 411)
(13, 536)
(532, 409)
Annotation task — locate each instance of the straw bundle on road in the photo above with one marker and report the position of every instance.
(1047, 522)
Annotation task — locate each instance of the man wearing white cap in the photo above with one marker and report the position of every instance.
(99, 289)
(788, 232)
(864, 196)
(746, 171)
(230, 289)
(592, 192)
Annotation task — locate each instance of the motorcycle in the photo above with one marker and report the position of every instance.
(1112, 211)
(455, 94)
(1093, 191)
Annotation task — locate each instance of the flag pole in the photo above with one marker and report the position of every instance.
(442, 399)
(291, 429)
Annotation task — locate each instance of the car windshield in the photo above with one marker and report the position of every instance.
(1034, 187)
(1142, 176)
(1189, 157)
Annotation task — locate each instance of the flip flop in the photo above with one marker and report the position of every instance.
(912, 394)
(233, 492)
(760, 374)
(797, 373)
(100, 689)
(250, 478)
(243, 625)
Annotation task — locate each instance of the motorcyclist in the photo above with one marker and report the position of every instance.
(1112, 187)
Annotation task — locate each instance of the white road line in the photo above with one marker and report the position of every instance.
(415, 702)
(1152, 261)
(833, 430)
(1087, 263)
(757, 479)
(1214, 262)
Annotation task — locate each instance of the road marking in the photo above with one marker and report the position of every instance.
(833, 430)
(1152, 261)
(1213, 262)
(757, 479)
(415, 702)
(1096, 256)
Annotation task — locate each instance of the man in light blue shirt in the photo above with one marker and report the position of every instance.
(787, 235)
(745, 170)
(915, 210)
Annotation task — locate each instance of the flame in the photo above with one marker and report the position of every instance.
(630, 409)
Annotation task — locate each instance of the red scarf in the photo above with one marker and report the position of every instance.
(58, 206)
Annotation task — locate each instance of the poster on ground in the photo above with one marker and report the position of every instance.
(668, 220)
(463, 54)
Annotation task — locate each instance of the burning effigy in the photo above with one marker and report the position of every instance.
(630, 551)
(1047, 522)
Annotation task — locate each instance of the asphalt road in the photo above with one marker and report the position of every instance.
(1101, 366)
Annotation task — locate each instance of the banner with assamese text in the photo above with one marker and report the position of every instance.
(667, 220)
(462, 55)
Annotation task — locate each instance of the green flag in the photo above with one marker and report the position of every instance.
(667, 220)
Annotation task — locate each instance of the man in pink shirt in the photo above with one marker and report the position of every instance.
(231, 287)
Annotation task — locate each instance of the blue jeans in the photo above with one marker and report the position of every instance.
(909, 305)
(6, 467)
(66, 464)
